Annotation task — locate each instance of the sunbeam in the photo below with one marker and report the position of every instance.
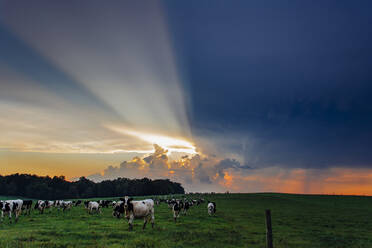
(126, 61)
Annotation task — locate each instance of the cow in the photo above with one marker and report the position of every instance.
(57, 204)
(12, 206)
(118, 209)
(138, 209)
(104, 203)
(49, 204)
(171, 203)
(27, 204)
(40, 205)
(65, 205)
(211, 208)
(186, 206)
(176, 208)
(77, 203)
(94, 206)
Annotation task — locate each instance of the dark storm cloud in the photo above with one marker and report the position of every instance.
(230, 163)
(202, 175)
(290, 78)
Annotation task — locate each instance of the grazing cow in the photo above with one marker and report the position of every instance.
(211, 208)
(77, 203)
(27, 204)
(118, 209)
(49, 204)
(186, 206)
(138, 209)
(12, 206)
(65, 205)
(171, 203)
(94, 206)
(104, 203)
(40, 205)
(176, 208)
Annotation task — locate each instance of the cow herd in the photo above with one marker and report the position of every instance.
(125, 207)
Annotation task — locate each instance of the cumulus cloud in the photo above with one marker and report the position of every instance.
(196, 173)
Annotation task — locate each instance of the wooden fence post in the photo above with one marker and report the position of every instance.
(269, 232)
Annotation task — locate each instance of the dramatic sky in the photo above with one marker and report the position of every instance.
(245, 96)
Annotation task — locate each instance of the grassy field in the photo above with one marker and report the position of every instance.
(298, 221)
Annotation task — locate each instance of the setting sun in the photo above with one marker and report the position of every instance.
(169, 143)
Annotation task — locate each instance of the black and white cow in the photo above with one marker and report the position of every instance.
(27, 204)
(86, 204)
(65, 205)
(40, 205)
(138, 209)
(49, 204)
(211, 208)
(77, 203)
(11, 207)
(171, 203)
(177, 206)
(104, 203)
(118, 209)
(186, 206)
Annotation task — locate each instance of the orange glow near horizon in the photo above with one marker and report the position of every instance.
(339, 181)
(300, 181)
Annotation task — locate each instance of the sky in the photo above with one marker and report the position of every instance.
(239, 96)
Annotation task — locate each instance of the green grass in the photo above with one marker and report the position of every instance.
(298, 221)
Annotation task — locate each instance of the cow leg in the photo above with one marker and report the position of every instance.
(16, 216)
(131, 217)
(175, 216)
(144, 223)
(152, 218)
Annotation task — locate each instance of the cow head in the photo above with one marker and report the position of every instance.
(128, 205)
(36, 205)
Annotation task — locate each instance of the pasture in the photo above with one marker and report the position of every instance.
(298, 221)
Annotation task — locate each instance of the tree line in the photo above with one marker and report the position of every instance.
(53, 188)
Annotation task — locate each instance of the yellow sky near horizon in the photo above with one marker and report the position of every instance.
(55, 164)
